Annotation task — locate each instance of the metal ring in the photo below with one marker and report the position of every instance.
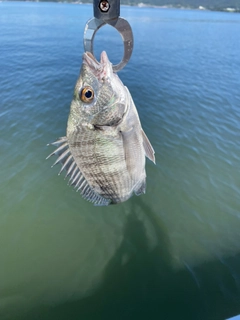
(122, 26)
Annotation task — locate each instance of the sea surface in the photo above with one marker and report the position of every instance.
(173, 253)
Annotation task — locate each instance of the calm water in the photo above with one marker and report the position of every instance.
(173, 253)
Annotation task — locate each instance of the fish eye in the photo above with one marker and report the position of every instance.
(86, 94)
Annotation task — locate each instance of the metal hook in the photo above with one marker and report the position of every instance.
(107, 12)
(106, 9)
(123, 28)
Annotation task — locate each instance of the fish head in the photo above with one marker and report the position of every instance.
(99, 96)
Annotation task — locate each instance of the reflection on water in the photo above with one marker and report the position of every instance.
(125, 270)
(140, 281)
(172, 253)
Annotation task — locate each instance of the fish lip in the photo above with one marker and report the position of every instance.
(104, 58)
(90, 60)
(102, 69)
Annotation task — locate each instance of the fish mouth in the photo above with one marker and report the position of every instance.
(102, 69)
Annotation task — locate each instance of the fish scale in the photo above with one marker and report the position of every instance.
(105, 147)
(102, 168)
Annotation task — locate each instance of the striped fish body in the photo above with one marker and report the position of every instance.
(112, 158)
(100, 157)
(105, 147)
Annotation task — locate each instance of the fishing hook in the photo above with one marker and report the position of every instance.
(107, 12)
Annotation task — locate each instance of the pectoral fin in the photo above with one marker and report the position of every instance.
(131, 150)
(140, 188)
(148, 148)
(135, 160)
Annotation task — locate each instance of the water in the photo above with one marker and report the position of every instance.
(173, 253)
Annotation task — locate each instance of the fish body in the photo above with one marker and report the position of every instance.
(105, 147)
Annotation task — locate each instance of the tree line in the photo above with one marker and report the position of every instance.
(194, 4)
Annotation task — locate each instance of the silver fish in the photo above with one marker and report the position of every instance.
(105, 147)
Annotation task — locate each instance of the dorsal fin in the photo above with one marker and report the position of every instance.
(76, 179)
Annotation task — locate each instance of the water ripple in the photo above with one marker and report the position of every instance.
(185, 85)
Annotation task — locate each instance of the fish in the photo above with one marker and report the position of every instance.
(105, 148)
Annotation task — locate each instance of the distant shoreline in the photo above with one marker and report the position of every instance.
(144, 5)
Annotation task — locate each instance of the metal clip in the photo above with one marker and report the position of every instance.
(107, 12)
